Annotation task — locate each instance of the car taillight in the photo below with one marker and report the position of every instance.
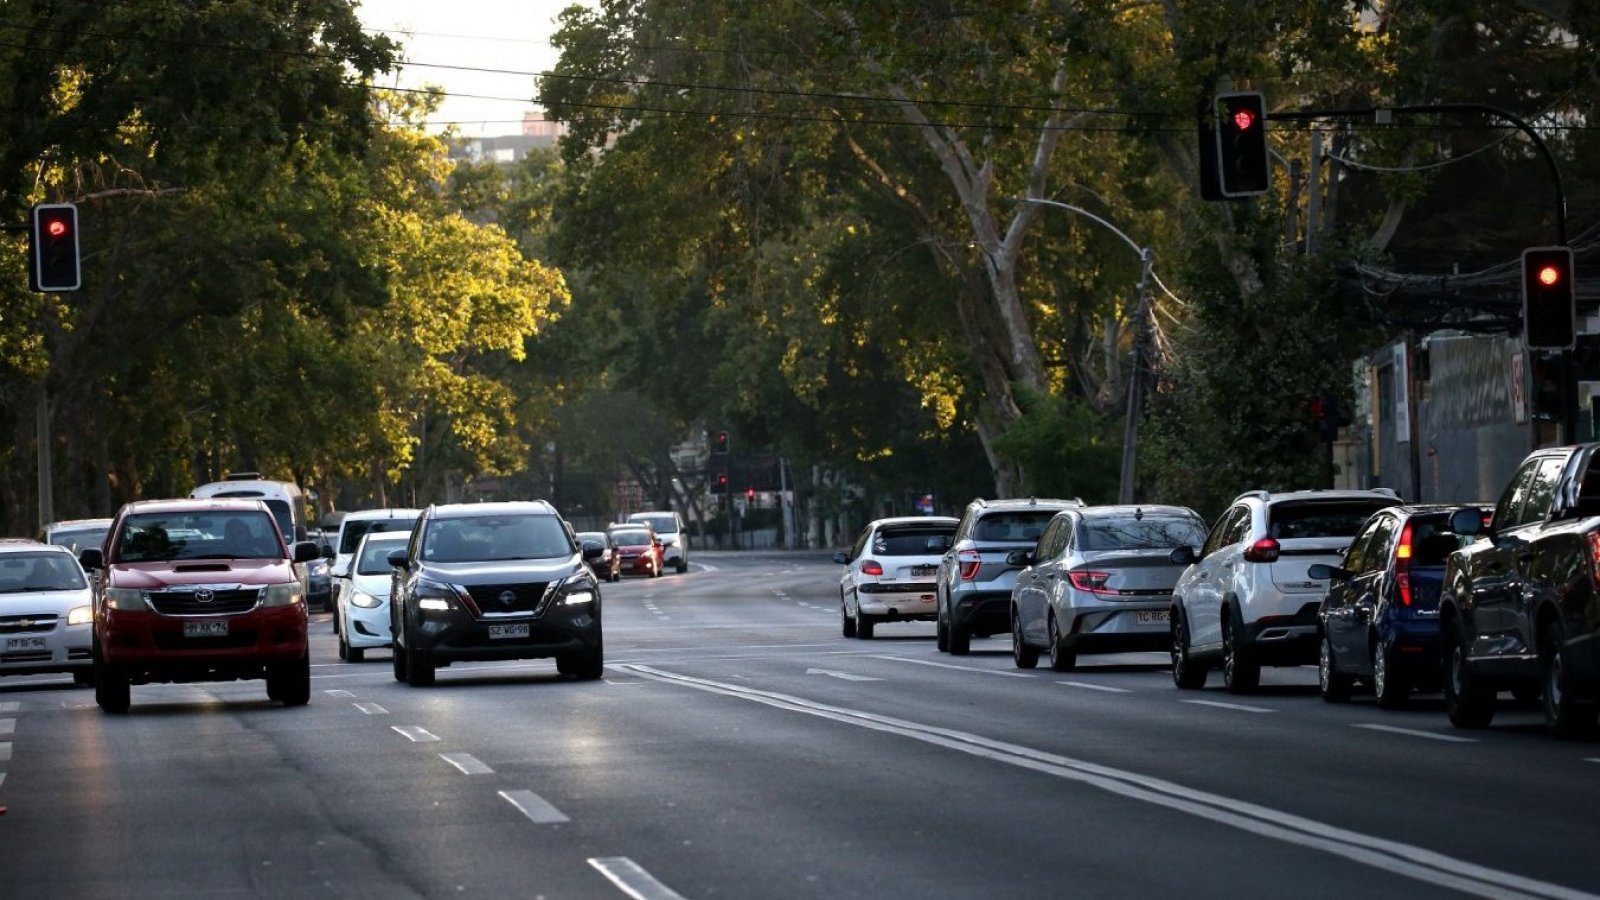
(970, 561)
(1093, 582)
(1402, 565)
(871, 567)
(1264, 550)
(1594, 556)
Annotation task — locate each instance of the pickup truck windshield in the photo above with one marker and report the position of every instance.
(234, 534)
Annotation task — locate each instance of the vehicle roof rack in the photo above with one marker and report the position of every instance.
(242, 476)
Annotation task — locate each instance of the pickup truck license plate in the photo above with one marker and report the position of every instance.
(508, 631)
(25, 643)
(1152, 617)
(205, 629)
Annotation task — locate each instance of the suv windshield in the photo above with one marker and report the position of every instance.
(907, 541)
(1142, 534)
(375, 557)
(230, 534)
(352, 533)
(1022, 526)
(1343, 518)
(491, 538)
(663, 525)
(52, 571)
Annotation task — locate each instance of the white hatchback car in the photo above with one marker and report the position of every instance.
(46, 611)
(363, 605)
(890, 572)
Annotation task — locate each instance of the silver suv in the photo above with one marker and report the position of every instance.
(975, 577)
(1246, 599)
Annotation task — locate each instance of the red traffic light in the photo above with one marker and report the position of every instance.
(1549, 303)
(54, 263)
(56, 228)
(1549, 275)
(1243, 119)
(750, 494)
(722, 480)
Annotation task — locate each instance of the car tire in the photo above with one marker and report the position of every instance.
(586, 666)
(1240, 673)
(290, 683)
(419, 668)
(1467, 703)
(683, 566)
(1061, 659)
(344, 650)
(864, 625)
(941, 633)
(1023, 654)
(1186, 672)
(112, 692)
(960, 640)
(336, 622)
(1567, 717)
(355, 654)
(847, 624)
(1391, 688)
(399, 663)
(1333, 685)
(83, 677)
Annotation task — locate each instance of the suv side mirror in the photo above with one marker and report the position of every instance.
(1183, 556)
(593, 551)
(305, 551)
(91, 558)
(1469, 521)
(398, 559)
(843, 558)
(1019, 558)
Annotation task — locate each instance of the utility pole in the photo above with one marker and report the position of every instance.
(1130, 427)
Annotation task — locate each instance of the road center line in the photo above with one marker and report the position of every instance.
(467, 763)
(341, 693)
(1406, 860)
(535, 807)
(5, 751)
(1236, 706)
(632, 879)
(1413, 732)
(8, 726)
(1095, 687)
(415, 733)
(372, 709)
(10, 706)
(940, 665)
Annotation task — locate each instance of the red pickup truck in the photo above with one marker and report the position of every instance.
(198, 590)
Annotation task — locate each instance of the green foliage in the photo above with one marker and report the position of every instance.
(1066, 448)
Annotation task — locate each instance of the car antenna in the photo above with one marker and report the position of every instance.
(1138, 513)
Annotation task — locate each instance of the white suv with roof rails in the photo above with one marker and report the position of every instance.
(674, 539)
(1246, 599)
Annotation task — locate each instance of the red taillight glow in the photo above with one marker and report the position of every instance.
(871, 567)
(1402, 565)
(1262, 551)
(1093, 582)
(970, 562)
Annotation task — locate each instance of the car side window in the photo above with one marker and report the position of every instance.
(1219, 532)
(1357, 554)
(861, 543)
(1542, 490)
(1378, 544)
(1050, 542)
(414, 545)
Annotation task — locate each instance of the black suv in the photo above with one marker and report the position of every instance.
(487, 581)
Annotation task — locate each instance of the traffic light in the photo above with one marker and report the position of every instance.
(1549, 304)
(721, 485)
(750, 495)
(53, 248)
(1243, 166)
(719, 442)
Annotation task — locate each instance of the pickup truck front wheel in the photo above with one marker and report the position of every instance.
(1566, 716)
(290, 683)
(1467, 703)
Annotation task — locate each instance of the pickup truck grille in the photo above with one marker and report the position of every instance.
(492, 598)
(204, 601)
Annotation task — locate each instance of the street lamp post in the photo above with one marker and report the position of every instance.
(1135, 409)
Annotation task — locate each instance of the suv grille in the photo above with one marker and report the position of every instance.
(492, 599)
(189, 602)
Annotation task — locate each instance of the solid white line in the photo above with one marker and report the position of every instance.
(372, 709)
(10, 706)
(467, 763)
(1096, 687)
(1238, 706)
(341, 693)
(1430, 735)
(632, 879)
(842, 676)
(1406, 860)
(415, 733)
(8, 726)
(940, 665)
(5, 751)
(534, 807)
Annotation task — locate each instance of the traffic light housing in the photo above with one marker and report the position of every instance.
(53, 263)
(720, 486)
(1244, 167)
(719, 442)
(1549, 302)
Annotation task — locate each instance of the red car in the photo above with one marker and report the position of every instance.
(198, 590)
(639, 551)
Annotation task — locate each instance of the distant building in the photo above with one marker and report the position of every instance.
(537, 132)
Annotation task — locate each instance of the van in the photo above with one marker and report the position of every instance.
(284, 498)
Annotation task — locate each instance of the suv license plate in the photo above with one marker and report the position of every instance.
(25, 643)
(1153, 617)
(205, 629)
(508, 631)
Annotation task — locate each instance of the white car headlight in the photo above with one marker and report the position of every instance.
(125, 598)
(80, 615)
(364, 600)
(283, 594)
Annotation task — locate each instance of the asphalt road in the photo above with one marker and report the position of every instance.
(740, 747)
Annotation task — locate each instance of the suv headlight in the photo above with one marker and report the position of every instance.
(435, 595)
(283, 594)
(125, 598)
(363, 600)
(576, 591)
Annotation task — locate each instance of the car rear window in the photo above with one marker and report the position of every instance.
(352, 533)
(907, 541)
(1020, 526)
(1286, 521)
(76, 539)
(1142, 534)
(375, 557)
(662, 524)
(1432, 541)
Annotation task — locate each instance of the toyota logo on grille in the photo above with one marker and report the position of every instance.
(508, 597)
(205, 595)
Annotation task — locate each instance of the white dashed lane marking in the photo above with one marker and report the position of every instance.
(1095, 687)
(340, 693)
(415, 733)
(372, 709)
(1413, 732)
(10, 706)
(939, 665)
(1236, 706)
(467, 763)
(536, 808)
(632, 879)
(8, 726)
(5, 751)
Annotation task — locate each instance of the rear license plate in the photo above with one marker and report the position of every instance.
(1153, 617)
(924, 570)
(508, 631)
(25, 643)
(205, 629)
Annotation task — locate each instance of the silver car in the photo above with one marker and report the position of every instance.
(46, 611)
(1100, 580)
(889, 572)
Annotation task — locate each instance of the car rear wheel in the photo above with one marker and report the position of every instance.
(941, 633)
(1566, 716)
(1022, 653)
(683, 566)
(1333, 685)
(864, 625)
(1391, 688)
(111, 690)
(1061, 659)
(1240, 673)
(1466, 702)
(960, 640)
(847, 625)
(1186, 672)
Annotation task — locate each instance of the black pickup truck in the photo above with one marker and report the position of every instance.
(1520, 610)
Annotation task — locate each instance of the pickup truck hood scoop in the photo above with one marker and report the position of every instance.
(203, 567)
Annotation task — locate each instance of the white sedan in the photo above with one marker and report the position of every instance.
(45, 611)
(890, 572)
(363, 604)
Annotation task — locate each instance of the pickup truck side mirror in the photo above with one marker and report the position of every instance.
(1469, 521)
(1183, 556)
(91, 558)
(327, 552)
(842, 558)
(1019, 558)
(305, 551)
(1324, 572)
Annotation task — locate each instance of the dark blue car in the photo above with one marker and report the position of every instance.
(1380, 618)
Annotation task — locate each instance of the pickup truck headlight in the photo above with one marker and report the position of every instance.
(125, 598)
(80, 615)
(363, 600)
(283, 594)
